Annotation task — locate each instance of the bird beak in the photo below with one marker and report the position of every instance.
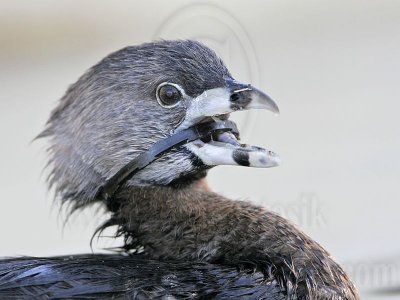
(224, 100)
(225, 149)
(244, 96)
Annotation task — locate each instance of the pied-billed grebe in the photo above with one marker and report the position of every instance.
(196, 243)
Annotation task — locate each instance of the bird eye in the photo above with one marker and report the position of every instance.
(168, 94)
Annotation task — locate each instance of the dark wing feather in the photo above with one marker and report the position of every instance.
(123, 277)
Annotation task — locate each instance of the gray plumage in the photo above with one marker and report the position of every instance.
(110, 115)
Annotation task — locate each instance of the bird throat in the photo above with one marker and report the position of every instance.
(202, 131)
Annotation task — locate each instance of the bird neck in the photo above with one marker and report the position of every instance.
(193, 223)
(176, 222)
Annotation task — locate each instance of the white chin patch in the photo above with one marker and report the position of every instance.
(210, 103)
(218, 153)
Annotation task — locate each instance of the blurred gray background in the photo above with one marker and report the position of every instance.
(332, 66)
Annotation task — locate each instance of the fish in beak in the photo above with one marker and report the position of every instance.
(224, 148)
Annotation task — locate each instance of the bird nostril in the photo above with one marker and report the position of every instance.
(235, 97)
